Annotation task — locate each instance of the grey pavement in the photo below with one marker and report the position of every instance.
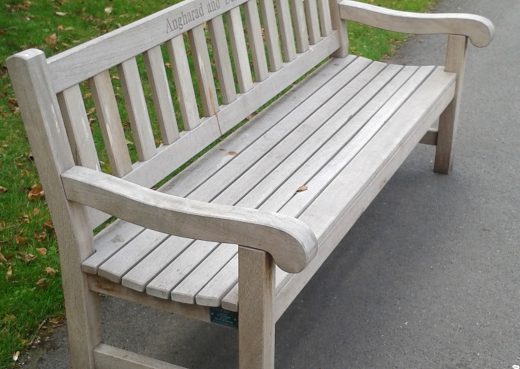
(429, 277)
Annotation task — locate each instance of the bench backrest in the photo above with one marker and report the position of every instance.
(227, 59)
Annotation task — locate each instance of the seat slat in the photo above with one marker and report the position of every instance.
(239, 49)
(300, 26)
(222, 59)
(183, 82)
(256, 42)
(78, 128)
(162, 99)
(110, 123)
(271, 35)
(137, 109)
(286, 30)
(199, 49)
(313, 25)
(219, 285)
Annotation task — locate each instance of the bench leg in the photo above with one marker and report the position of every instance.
(256, 302)
(455, 58)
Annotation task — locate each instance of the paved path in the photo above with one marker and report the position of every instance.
(430, 275)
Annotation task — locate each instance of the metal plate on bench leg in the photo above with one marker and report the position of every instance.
(110, 357)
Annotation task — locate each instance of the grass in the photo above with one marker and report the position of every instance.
(30, 283)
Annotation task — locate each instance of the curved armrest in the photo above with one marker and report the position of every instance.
(291, 242)
(480, 30)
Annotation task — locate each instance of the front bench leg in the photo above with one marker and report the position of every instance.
(455, 61)
(256, 305)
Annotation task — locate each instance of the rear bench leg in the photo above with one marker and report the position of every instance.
(455, 60)
(255, 317)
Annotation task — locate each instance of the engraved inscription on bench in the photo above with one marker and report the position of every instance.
(182, 20)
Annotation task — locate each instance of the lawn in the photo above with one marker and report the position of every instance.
(31, 298)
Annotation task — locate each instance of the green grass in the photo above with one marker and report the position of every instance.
(30, 289)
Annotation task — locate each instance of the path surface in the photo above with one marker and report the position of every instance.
(430, 275)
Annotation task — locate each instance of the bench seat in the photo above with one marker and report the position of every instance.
(320, 154)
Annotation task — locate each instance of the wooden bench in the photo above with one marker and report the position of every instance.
(286, 186)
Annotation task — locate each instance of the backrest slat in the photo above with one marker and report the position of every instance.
(137, 109)
(78, 128)
(256, 42)
(199, 49)
(161, 95)
(325, 18)
(272, 37)
(110, 124)
(313, 25)
(239, 49)
(222, 59)
(183, 82)
(300, 26)
(286, 30)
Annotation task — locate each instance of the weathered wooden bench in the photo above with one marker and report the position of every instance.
(286, 186)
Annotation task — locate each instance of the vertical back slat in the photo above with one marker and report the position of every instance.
(286, 30)
(256, 42)
(300, 26)
(110, 123)
(78, 127)
(239, 48)
(222, 59)
(137, 109)
(271, 35)
(183, 82)
(325, 20)
(199, 49)
(162, 99)
(311, 12)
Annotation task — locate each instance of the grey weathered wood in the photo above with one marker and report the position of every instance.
(300, 26)
(183, 82)
(239, 49)
(256, 43)
(340, 26)
(480, 30)
(222, 59)
(455, 62)
(199, 50)
(162, 99)
(286, 30)
(110, 357)
(78, 128)
(110, 123)
(325, 17)
(137, 109)
(256, 319)
(46, 132)
(313, 23)
(272, 37)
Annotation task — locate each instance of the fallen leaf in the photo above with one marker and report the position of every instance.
(48, 224)
(50, 271)
(16, 355)
(51, 40)
(27, 258)
(24, 219)
(61, 14)
(108, 9)
(3, 189)
(19, 239)
(42, 282)
(302, 188)
(60, 27)
(232, 153)
(9, 272)
(42, 251)
(36, 211)
(36, 192)
(40, 236)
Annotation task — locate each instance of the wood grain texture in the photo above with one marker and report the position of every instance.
(272, 37)
(110, 357)
(313, 22)
(325, 18)
(47, 136)
(256, 42)
(256, 323)
(239, 48)
(193, 219)
(479, 29)
(286, 30)
(299, 25)
(340, 26)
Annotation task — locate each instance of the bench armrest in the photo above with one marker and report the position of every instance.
(480, 30)
(291, 242)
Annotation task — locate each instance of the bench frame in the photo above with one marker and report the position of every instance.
(68, 188)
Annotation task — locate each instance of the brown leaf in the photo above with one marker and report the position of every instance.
(232, 153)
(42, 251)
(36, 192)
(48, 224)
(27, 258)
(302, 188)
(24, 218)
(60, 27)
(9, 273)
(51, 40)
(19, 239)
(50, 271)
(3, 189)
(42, 282)
(40, 236)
